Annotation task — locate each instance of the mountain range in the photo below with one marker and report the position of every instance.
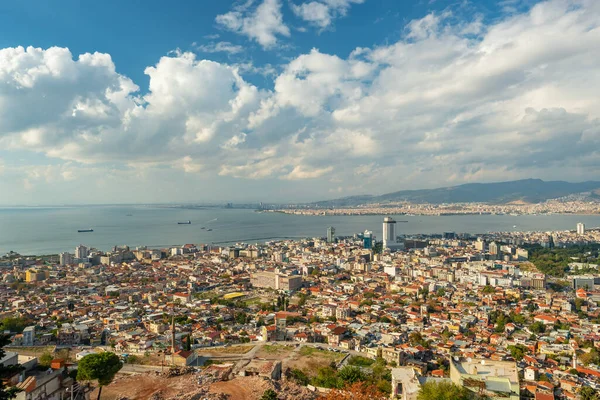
(525, 190)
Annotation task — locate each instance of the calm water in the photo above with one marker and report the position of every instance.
(53, 230)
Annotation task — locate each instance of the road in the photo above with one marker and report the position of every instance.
(138, 369)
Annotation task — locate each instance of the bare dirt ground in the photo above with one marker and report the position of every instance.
(310, 359)
(144, 386)
(243, 388)
(157, 387)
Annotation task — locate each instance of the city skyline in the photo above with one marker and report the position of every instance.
(292, 101)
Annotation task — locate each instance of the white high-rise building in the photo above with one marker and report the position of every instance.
(389, 232)
(66, 258)
(81, 251)
(580, 228)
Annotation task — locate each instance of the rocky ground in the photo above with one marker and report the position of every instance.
(210, 384)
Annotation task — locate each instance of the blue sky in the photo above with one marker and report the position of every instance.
(136, 33)
(291, 100)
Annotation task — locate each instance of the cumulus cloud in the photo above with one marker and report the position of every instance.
(303, 172)
(263, 24)
(444, 104)
(322, 13)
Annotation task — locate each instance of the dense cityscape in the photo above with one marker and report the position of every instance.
(487, 313)
(553, 206)
(300, 200)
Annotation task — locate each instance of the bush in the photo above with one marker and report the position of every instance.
(360, 361)
(269, 394)
(299, 376)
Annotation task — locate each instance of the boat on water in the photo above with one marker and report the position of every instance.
(85, 230)
(203, 228)
(185, 223)
(208, 230)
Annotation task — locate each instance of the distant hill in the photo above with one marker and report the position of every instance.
(526, 190)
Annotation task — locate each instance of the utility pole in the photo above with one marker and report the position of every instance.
(172, 333)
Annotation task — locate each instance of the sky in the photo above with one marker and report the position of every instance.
(147, 101)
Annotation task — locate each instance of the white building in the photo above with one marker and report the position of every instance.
(389, 234)
(66, 258)
(392, 270)
(580, 228)
(28, 336)
(81, 251)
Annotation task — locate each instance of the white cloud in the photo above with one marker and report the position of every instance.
(514, 99)
(304, 172)
(220, 47)
(313, 12)
(263, 24)
(322, 13)
(234, 141)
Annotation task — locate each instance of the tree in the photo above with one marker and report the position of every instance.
(377, 247)
(489, 289)
(14, 324)
(537, 327)
(5, 394)
(46, 359)
(592, 357)
(269, 394)
(187, 343)
(241, 317)
(101, 366)
(587, 393)
(351, 374)
(444, 391)
(299, 376)
(517, 351)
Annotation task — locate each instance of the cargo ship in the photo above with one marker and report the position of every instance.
(85, 230)
(185, 223)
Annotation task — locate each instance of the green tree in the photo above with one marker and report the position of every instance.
(587, 393)
(489, 289)
(327, 378)
(444, 391)
(5, 394)
(101, 367)
(269, 394)
(537, 327)
(517, 351)
(241, 317)
(14, 324)
(187, 343)
(592, 357)
(46, 359)
(377, 247)
(351, 374)
(299, 376)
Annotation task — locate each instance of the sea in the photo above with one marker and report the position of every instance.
(51, 230)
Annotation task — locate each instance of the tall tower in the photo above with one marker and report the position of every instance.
(389, 232)
(330, 234)
(580, 228)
